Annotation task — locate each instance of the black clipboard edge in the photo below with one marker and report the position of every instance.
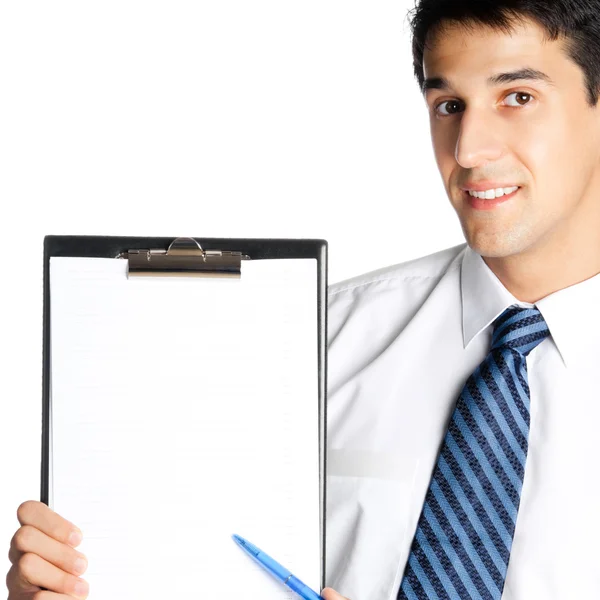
(257, 249)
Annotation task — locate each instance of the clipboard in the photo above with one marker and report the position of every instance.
(162, 259)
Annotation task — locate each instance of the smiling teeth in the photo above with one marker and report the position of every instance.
(497, 193)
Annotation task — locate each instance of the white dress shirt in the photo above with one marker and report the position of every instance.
(402, 342)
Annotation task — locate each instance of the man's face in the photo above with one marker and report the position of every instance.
(543, 137)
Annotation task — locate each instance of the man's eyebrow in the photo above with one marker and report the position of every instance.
(526, 73)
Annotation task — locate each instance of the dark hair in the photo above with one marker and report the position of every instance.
(575, 21)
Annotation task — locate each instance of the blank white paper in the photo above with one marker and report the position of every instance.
(184, 410)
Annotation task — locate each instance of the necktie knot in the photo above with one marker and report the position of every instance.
(520, 329)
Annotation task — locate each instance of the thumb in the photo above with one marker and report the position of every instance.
(330, 594)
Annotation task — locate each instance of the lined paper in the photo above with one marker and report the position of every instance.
(184, 410)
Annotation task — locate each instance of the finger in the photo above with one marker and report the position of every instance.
(30, 539)
(43, 595)
(38, 515)
(34, 570)
(330, 594)
(51, 596)
(17, 588)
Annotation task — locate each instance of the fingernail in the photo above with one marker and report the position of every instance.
(81, 588)
(75, 537)
(80, 565)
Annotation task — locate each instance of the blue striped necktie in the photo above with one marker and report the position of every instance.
(464, 535)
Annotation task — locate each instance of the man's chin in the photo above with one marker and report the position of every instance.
(498, 245)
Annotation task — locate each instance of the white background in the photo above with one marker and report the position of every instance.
(206, 119)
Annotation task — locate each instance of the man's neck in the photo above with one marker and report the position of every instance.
(545, 269)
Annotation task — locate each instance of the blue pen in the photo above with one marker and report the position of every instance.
(277, 570)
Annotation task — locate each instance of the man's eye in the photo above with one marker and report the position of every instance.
(453, 103)
(520, 95)
(450, 102)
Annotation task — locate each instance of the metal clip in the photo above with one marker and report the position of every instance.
(184, 257)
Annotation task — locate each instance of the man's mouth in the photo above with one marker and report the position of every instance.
(490, 199)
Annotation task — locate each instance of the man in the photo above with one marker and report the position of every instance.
(461, 385)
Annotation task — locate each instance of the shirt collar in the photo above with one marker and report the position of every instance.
(571, 313)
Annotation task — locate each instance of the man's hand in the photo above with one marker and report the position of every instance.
(43, 556)
(331, 594)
